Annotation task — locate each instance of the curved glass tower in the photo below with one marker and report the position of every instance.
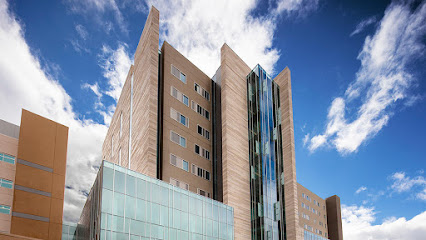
(266, 164)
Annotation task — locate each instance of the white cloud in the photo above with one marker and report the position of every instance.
(82, 32)
(305, 139)
(358, 224)
(403, 183)
(382, 81)
(26, 85)
(198, 29)
(115, 66)
(361, 189)
(94, 87)
(363, 24)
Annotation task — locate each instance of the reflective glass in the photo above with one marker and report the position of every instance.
(119, 182)
(130, 207)
(141, 189)
(106, 201)
(131, 186)
(108, 178)
(118, 206)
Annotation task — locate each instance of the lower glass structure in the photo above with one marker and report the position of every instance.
(124, 204)
(312, 236)
(266, 162)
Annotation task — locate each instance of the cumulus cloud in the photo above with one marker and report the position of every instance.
(382, 82)
(198, 29)
(358, 224)
(361, 189)
(26, 85)
(403, 183)
(363, 24)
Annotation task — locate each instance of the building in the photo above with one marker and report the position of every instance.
(229, 138)
(32, 176)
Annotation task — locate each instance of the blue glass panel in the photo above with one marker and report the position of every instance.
(183, 120)
(131, 186)
(186, 100)
(106, 201)
(119, 182)
(118, 204)
(108, 178)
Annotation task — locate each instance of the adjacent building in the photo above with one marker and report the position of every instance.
(229, 138)
(32, 177)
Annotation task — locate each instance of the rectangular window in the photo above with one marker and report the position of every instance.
(203, 132)
(6, 183)
(179, 162)
(179, 184)
(179, 96)
(121, 123)
(200, 90)
(196, 170)
(7, 158)
(177, 116)
(203, 193)
(5, 209)
(200, 110)
(202, 152)
(178, 74)
(176, 138)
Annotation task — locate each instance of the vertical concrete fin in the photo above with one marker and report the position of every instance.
(334, 218)
(290, 184)
(235, 149)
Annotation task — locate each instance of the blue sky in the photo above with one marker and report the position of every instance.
(358, 71)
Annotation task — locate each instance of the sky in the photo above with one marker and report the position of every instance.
(357, 69)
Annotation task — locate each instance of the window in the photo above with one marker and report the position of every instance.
(5, 209)
(119, 157)
(7, 158)
(178, 74)
(202, 152)
(179, 184)
(177, 116)
(201, 91)
(179, 162)
(179, 96)
(196, 170)
(6, 183)
(176, 138)
(121, 123)
(203, 193)
(200, 110)
(203, 132)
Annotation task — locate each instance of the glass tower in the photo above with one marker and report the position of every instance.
(266, 163)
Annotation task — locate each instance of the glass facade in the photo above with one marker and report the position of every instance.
(68, 230)
(312, 236)
(124, 204)
(266, 164)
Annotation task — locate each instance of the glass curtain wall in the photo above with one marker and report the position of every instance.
(136, 207)
(266, 164)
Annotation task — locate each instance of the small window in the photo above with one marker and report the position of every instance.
(6, 183)
(182, 141)
(185, 100)
(207, 175)
(200, 172)
(200, 130)
(183, 77)
(185, 165)
(197, 149)
(5, 209)
(7, 158)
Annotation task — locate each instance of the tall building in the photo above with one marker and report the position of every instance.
(32, 178)
(229, 138)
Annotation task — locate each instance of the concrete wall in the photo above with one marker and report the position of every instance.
(334, 218)
(40, 178)
(235, 149)
(144, 108)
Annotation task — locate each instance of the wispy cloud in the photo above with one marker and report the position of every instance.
(381, 83)
(361, 189)
(199, 28)
(364, 24)
(403, 183)
(358, 224)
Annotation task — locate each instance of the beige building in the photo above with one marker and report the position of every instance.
(32, 175)
(215, 137)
